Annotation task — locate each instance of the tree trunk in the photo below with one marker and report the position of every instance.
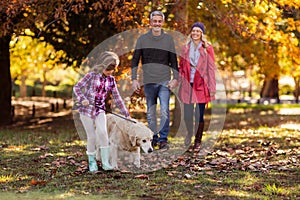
(23, 89)
(44, 84)
(270, 89)
(297, 88)
(5, 82)
(182, 19)
(181, 16)
(176, 116)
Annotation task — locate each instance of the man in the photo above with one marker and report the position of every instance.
(156, 50)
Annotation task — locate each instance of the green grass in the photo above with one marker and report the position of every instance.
(254, 158)
(256, 106)
(37, 195)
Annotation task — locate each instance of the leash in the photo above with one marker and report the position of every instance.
(118, 115)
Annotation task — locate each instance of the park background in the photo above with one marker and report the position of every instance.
(256, 43)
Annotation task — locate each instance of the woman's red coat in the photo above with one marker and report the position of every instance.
(204, 86)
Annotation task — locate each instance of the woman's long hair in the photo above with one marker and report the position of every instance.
(203, 39)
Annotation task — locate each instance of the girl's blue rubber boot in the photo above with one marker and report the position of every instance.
(92, 162)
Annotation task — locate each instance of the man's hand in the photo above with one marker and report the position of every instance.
(136, 86)
(85, 102)
(173, 83)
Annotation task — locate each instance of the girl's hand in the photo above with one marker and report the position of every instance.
(85, 102)
(131, 119)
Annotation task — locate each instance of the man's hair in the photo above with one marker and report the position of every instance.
(157, 13)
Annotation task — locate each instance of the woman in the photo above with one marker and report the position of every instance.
(91, 91)
(198, 83)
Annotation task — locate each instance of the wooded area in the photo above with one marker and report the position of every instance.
(258, 37)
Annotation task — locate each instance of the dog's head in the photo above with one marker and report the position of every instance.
(141, 136)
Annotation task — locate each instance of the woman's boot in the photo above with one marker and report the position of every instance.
(105, 158)
(198, 136)
(92, 161)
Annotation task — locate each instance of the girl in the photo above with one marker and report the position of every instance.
(91, 91)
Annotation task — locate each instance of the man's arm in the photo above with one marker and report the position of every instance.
(173, 64)
(135, 60)
(173, 60)
(134, 66)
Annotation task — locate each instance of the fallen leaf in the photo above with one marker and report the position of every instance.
(37, 182)
(142, 176)
(188, 176)
(209, 173)
(170, 174)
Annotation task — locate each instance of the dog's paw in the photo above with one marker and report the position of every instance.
(137, 164)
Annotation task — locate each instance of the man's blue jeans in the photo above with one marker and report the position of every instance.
(162, 92)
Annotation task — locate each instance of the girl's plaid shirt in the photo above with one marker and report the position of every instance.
(94, 88)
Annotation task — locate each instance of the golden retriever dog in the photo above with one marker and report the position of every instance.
(127, 136)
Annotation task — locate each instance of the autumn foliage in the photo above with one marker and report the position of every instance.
(261, 37)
